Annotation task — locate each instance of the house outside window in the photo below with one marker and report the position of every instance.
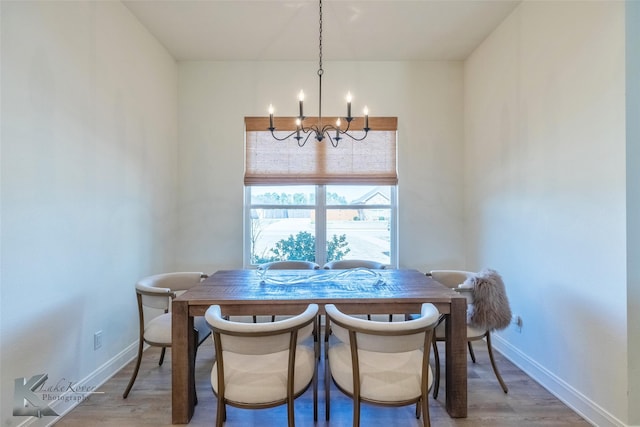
(319, 203)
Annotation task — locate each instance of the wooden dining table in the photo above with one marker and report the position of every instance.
(288, 292)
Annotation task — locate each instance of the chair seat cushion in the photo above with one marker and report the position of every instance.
(400, 379)
(472, 332)
(263, 378)
(158, 330)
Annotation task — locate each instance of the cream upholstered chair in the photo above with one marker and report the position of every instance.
(454, 279)
(344, 264)
(289, 265)
(154, 295)
(262, 365)
(384, 363)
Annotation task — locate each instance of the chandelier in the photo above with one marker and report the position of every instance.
(320, 131)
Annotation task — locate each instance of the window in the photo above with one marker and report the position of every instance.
(320, 203)
(320, 223)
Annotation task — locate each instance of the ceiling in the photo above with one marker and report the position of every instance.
(366, 30)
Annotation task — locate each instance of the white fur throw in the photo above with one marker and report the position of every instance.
(490, 309)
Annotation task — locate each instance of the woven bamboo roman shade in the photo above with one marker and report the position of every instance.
(271, 162)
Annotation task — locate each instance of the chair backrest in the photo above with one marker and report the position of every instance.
(289, 265)
(344, 264)
(384, 337)
(452, 279)
(260, 338)
(157, 291)
(262, 365)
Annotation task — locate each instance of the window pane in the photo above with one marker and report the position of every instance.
(358, 195)
(359, 234)
(281, 234)
(283, 195)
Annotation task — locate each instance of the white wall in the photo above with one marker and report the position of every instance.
(96, 193)
(545, 194)
(633, 204)
(216, 96)
(89, 173)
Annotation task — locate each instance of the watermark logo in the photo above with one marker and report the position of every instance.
(26, 402)
(34, 397)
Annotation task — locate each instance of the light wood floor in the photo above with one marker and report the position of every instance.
(149, 404)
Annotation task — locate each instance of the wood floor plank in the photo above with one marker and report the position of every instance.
(149, 403)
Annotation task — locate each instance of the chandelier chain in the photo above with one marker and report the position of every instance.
(320, 71)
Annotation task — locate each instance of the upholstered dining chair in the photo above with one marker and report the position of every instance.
(262, 365)
(383, 363)
(289, 265)
(344, 264)
(464, 282)
(154, 295)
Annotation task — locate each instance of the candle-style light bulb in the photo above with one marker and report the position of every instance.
(366, 117)
(271, 115)
(348, 105)
(301, 99)
(338, 129)
(298, 123)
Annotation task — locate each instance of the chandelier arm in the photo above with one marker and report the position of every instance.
(310, 128)
(299, 138)
(306, 129)
(334, 141)
(366, 131)
(281, 139)
(327, 128)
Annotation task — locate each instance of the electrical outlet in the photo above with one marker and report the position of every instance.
(97, 340)
(517, 321)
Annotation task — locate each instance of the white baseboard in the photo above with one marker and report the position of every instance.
(94, 379)
(571, 397)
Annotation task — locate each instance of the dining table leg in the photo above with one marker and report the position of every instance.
(182, 363)
(456, 358)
